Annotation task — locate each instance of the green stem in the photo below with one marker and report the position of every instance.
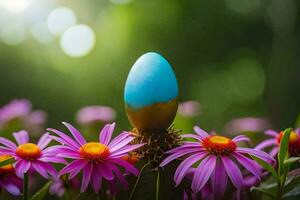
(157, 185)
(137, 181)
(25, 186)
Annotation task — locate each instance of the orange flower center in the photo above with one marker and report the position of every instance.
(294, 143)
(219, 144)
(94, 151)
(6, 168)
(293, 137)
(28, 151)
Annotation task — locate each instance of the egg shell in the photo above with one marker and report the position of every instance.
(151, 92)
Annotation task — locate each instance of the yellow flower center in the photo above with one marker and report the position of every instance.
(219, 144)
(293, 137)
(94, 151)
(6, 168)
(28, 151)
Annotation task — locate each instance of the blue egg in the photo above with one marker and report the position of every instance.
(150, 80)
(151, 92)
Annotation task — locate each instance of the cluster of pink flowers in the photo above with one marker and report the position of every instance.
(98, 161)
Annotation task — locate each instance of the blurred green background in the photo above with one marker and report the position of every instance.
(238, 58)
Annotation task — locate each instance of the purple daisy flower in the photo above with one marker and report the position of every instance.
(8, 179)
(217, 158)
(15, 109)
(91, 114)
(97, 160)
(274, 141)
(29, 156)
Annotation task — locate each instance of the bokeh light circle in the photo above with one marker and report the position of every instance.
(60, 19)
(78, 40)
(13, 34)
(15, 6)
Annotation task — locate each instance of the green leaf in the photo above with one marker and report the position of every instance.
(283, 149)
(7, 162)
(42, 192)
(266, 166)
(261, 190)
(291, 160)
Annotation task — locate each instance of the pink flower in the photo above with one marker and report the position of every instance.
(92, 114)
(30, 156)
(217, 158)
(97, 160)
(189, 108)
(8, 179)
(274, 141)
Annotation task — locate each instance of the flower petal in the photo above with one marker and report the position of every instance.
(203, 173)
(44, 141)
(126, 165)
(203, 134)
(7, 143)
(74, 164)
(219, 180)
(66, 139)
(21, 137)
(271, 133)
(249, 164)
(233, 172)
(106, 133)
(22, 166)
(260, 154)
(86, 176)
(183, 168)
(121, 144)
(266, 143)
(76, 134)
(125, 150)
(177, 155)
(241, 138)
(194, 136)
(106, 171)
(39, 169)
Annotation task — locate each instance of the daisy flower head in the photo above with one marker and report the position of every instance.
(30, 156)
(274, 141)
(8, 179)
(217, 158)
(97, 160)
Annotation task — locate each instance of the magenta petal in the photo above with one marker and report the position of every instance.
(197, 137)
(7, 151)
(271, 133)
(44, 141)
(241, 138)
(106, 133)
(120, 176)
(125, 150)
(203, 173)
(183, 168)
(260, 154)
(249, 164)
(266, 143)
(177, 155)
(219, 180)
(21, 137)
(7, 143)
(105, 170)
(66, 139)
(95, 179)
(121, 144)
(119, 138)
(274, 151)
(49, 168)
(22, 166)
(127, 166)
(233, 172)
(53, 159)
(74, 164)
(203, 134)
(76, 134)
(86, 176)
(38, 168)
(9, 186)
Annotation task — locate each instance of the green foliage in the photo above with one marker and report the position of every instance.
(7, 162)
(42, 192)
(266, 166)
